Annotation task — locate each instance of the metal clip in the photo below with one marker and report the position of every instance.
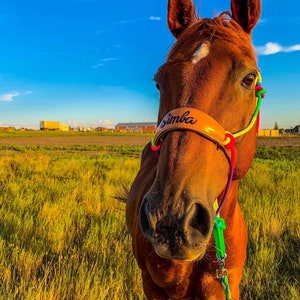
(221, 261)
(221, 272)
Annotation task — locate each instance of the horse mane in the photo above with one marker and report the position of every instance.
(221, 27)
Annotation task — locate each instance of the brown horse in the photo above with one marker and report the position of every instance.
(207, 89)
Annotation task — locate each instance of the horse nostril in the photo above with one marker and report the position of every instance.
(200, 220)
(144, 220)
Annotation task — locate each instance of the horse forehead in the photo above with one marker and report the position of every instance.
(201, 52)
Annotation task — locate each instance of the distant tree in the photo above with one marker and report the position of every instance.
(281, 131)
(276, 127)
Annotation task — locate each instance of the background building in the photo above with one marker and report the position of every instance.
(54, 125)
(268, 132)
(144, 127)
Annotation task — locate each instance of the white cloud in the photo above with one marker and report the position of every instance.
(102, 61)
(261, 21)
(97, 66)
(128, 21)
(107, 122)
(154, 18)
(109, 59)
(151, 18)
(7, 97)
(294, 48)
(99, 123)
(10, 95)
(273, 48)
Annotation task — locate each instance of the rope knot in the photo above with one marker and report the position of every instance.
(259, 90)
(229, 141)
(155, 148)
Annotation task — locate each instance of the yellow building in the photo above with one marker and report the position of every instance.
(54, 125)
(268, 132)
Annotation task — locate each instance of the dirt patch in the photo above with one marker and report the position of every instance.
(278, 142)
(123, 140)
(76, 140)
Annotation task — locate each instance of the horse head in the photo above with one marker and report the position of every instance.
(208, 80)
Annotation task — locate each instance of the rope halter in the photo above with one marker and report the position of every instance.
(191, 119)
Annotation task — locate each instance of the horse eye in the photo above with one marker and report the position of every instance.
(157, 86)
(248, 80)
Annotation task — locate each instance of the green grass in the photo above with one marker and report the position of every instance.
(63, 234)
(113, 150)
(270, 196)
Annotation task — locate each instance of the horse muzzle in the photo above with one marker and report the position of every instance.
(176, 234)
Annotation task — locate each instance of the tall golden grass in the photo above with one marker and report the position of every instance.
(63, 234)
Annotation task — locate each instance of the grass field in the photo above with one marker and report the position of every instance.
(62, 233)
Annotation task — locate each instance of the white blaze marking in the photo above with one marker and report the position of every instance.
(200, 53)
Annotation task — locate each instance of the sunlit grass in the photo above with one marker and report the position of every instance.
(270, 196)
(63, 234)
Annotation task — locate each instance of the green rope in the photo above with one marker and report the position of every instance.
(225, 284)
(218, 234)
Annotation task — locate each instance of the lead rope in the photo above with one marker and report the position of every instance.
(221, 273)
(219, 223)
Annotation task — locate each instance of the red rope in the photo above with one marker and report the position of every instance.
(229, 146)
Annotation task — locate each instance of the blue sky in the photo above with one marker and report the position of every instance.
(92, 62)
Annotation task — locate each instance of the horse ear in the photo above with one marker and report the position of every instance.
(181, 13)
(246, 13)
